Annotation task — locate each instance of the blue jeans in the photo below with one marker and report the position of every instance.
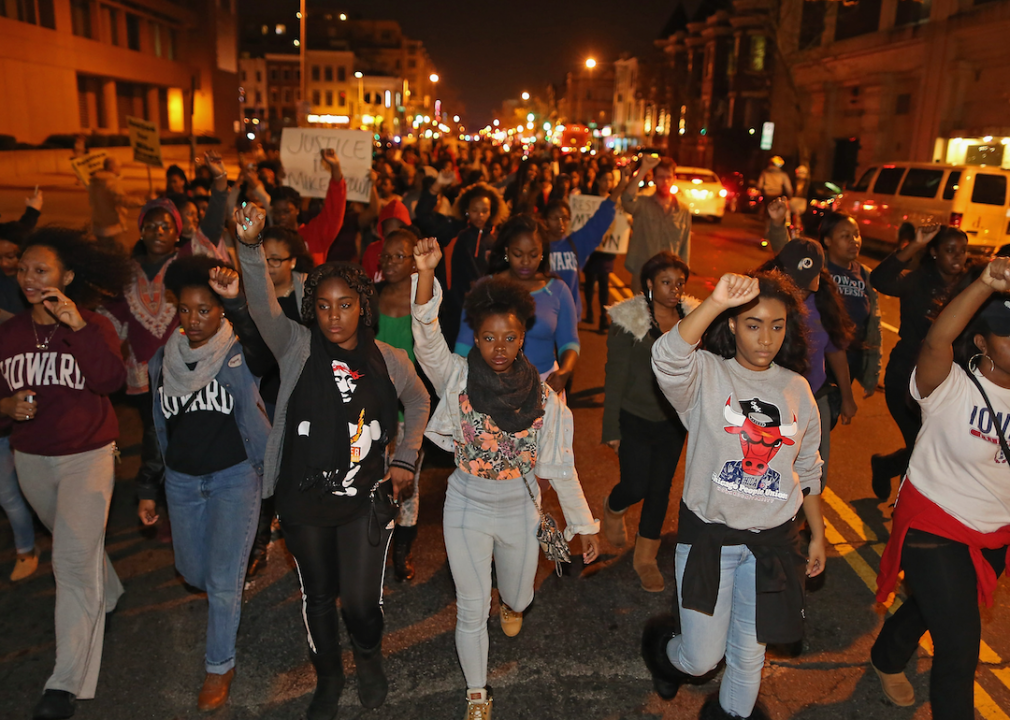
(729, 631)
(13, 503)
(214, 521)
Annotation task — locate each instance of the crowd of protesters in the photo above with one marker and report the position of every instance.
(252, 328)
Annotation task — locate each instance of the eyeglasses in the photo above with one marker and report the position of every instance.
(386, 257)
(276, 262)
(155, 226)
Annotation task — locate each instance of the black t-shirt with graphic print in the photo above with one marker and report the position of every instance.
(327, 509)
(203, 434)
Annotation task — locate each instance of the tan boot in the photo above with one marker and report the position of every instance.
(645, 564)
(215, 689)
(896, 687)
(613, 525)
(478, 704)
(25, 566)
(511, 621)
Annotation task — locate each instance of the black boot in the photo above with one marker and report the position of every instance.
(712, 710)
(658, 632)
(329, 686)
(403, 541)
(258, 553)
(55, 705)
(372, 683)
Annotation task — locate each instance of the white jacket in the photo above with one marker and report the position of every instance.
(448, 373)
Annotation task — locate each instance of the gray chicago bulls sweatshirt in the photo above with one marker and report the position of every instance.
(753, 435)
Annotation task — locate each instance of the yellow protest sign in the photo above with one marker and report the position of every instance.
(87, 165)
(145, 141)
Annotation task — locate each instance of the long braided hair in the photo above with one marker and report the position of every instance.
(355, 277)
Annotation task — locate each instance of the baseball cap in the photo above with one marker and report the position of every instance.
(996, 314)
(802, 260)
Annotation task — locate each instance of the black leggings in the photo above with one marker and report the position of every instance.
(339, 562)
(903, 409)
(944, 600)
(648, 455)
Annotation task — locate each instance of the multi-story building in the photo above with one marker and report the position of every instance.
(589, 95)
(284, 90)
(330, 85)
(173, 63)
(253, 93)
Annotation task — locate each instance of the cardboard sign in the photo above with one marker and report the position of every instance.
(145, 141)
(87, 165)
(304, 168)
(615, 241)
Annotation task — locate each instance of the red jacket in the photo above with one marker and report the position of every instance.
(320, 232)
(72, 380)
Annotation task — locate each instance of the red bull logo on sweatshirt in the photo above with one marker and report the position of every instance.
(762, 434)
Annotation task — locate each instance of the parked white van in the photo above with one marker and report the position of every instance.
(972, 198)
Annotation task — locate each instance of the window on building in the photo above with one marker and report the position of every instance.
(110, 24)
(315, 73)
(912, 12)
(921, 183)
(951, 186)
(399, 65)
(273, 74)
(243, 73)
(342, 99)
(812, 23)
(132, 31)
(315, 97)
(368, 98)
(989, 189)
(903, 104)
(857, 19)
(287, 74)
(259, 76)
(341, 73)
(80, 17)
(328, 73)
(259, 97)
(82, 101)
(412, 63)
(298, 74)
(888, 180)
(273, 96)
(171, 44)
(287, 96)
(758, 45)
(730, 62)
(329, 98)
(156, 38)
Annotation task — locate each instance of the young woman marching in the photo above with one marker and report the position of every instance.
(325, 457)
(211, 429)
(59, 363)
(752, 462)
(397, 262)
(507, 427)
(952, 518)
(638, 421)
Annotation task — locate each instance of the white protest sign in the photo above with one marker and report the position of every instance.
(615, 241)
(145, 141)
(305, 171)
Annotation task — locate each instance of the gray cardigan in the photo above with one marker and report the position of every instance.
(290, 343)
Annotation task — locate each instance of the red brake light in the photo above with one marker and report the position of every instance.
(955, 219)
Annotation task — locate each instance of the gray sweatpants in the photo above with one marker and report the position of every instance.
(485, 520)
(71, 494)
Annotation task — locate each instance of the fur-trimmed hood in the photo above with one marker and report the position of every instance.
(632, 315)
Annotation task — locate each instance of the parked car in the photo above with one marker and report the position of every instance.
(702, 192)
(821, 198)
(742, 194)
(972, 198)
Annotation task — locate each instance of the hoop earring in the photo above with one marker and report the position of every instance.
(974, 360)
(648, 295)
(506, 256)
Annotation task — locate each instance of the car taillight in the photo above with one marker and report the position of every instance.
(955, 219)
(723, 193)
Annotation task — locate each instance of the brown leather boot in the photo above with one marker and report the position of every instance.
(896, 687)
(645, 564)
(215, 690)
(613, 525)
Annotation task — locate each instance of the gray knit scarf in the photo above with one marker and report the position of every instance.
(178, 378)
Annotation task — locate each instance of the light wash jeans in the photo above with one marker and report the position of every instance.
(485, 520)
(729, 631)
(214, 520)
(13, 503)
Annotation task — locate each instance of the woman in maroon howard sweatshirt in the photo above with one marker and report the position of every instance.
(58, 364)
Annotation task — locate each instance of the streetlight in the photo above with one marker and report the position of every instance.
(526, 96)
(433, 77)
(361, 90)
(590, 64)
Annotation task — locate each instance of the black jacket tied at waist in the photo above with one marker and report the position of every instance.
(779, 576)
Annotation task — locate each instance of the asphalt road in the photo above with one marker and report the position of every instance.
(577, 655)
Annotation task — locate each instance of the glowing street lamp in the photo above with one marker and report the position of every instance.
(590, 63)
(526, 96)
(433, 77)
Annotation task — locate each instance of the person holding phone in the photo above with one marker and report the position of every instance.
(59, 362)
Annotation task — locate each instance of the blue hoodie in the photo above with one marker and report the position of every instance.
(569, 255)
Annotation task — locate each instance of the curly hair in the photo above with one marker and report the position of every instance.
(100, 269)
(283, 192)
(192, 272)
(830, 306)
(663, 260)
(499, 211)
(514, 228)
(355, 277)
(773, 285)
(498, 296)
(294, 243)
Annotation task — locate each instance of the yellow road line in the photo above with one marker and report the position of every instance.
(850, 516)
(987, 707)
(888, 326)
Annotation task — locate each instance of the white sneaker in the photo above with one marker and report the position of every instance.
(478, 704)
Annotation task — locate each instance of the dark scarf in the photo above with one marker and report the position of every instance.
(322, 458)
(513, 398)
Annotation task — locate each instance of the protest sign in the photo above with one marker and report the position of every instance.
(87, 165)
(305, 171)
(145, 141)
(615, 241)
